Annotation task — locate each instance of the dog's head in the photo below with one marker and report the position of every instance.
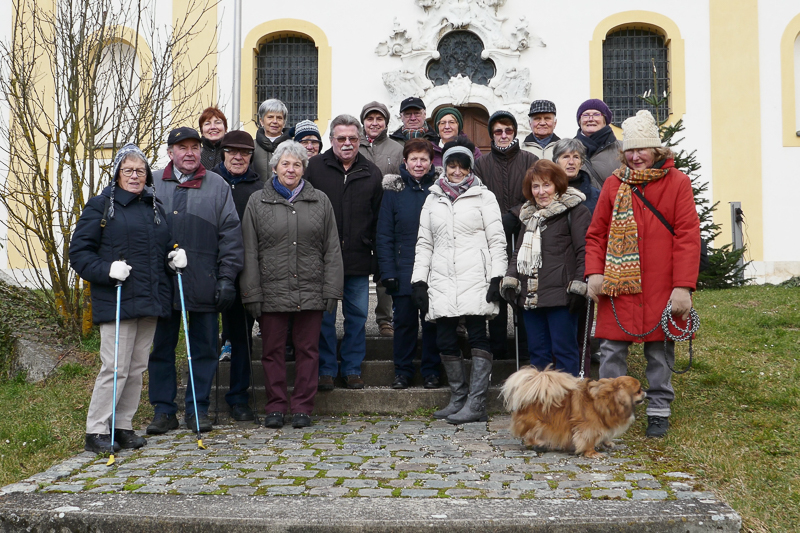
(616, 397)
(630, 387)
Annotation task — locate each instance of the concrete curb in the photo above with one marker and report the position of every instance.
(166, 514)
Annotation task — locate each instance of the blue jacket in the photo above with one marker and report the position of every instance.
(584, 184)
(133, 235)
(398, 224)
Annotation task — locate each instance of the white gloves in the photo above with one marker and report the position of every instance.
(177, 259)
(120, 270)
(594, 286)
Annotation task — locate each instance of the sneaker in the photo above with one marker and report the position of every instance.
(225, 353)
(128, 439)
(400, 382)
(274, 420)
(325, 383)
(354, 381)
(301, 420)
(205, 422)
(657, 426)
(162, 422)
(432, 382)
(386, 329)
(241, 412)
(99, 443)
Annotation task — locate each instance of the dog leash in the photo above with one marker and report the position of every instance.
(589, 313)
(692, 325)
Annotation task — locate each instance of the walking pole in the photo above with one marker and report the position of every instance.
(586, 334)
(116, 359)
(248, 338)
(189, 358)
(514, 310)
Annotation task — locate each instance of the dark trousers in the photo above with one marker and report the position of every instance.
(305, 333)
(553, 335)
(406, 325)
(498, 332)
(447, 337)
(238, 325)
(203, 332)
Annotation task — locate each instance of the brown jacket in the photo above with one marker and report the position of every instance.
(292, 259)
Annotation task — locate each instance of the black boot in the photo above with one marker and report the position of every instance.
(99, 443)
(128, 439)
(474, 409)
(456, 377)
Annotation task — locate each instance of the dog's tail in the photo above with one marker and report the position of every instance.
(529, 386)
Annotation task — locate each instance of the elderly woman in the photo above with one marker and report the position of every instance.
(213, 127)
(545, 275)
(122, 238)
(602, 146)
(292, 268)
(570, 154)
(271, 121)
(459, 263)
(636, 265)
(307, 133)
(449, 124)
(237, 325)
(398, 224)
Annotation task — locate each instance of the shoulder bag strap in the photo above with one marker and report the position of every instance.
(652, 208)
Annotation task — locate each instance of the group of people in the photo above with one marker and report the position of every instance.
(275, 230)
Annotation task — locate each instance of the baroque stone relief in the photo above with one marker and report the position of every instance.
(507, 87)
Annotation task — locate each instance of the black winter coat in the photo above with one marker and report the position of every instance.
(355, 195)
(133, 235)
(503, 174)
(398, 225)
(211, 154)
(584, 184)
(242, 189)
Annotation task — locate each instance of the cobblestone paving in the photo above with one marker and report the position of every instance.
(372, 457)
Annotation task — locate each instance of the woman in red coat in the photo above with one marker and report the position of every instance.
(632, 257)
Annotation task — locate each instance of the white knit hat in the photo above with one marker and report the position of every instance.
(640, 131)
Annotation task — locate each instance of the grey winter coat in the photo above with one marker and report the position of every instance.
(292, 259)
(263, 154)
(203, 220)
(386, 153)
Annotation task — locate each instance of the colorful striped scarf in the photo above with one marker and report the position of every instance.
(623, 272)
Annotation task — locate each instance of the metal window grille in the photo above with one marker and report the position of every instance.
(460, 53)
(286, 69)
(628, 57)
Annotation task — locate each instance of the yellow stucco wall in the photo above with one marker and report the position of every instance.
(735, 93)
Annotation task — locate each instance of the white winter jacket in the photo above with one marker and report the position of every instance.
(460, 248)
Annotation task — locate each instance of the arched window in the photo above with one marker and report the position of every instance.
(118, 84)
(635, 61)
(286, 69)
(460, 53)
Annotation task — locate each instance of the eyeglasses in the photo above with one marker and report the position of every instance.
(410, 113)
(589, 116)
(499, 132)
(312, 142)
(237, 151)
(128, 172)
(342, 140)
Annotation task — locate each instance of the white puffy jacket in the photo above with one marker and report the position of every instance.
(460, 248)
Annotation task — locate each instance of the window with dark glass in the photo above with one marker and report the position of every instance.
(286, 69)
(460, 53)
(629, 59)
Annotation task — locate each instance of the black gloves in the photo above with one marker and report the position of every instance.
(419, 295)
(493, 295)
(224, 295)
(510, 223)
(392, 285)
(576, 303)
(330, 305)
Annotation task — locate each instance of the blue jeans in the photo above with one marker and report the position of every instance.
(355, 306)
(406, 327)
(553, 334)
(203, 332)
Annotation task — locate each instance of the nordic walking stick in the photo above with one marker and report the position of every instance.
(189, 358)
(116, 359)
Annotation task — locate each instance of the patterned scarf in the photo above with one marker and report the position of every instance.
(454, 190)
(623, 274)
(529, 257)
(415, 133)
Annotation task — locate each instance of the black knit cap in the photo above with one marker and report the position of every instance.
(497, 115)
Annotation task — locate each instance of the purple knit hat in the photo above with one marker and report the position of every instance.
(599, 105)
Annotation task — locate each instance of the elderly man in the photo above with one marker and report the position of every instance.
(202, 216)
(412, 113)
(542, 140)
(235, 169)
(353, 185)
(387, 154)
(503, 171)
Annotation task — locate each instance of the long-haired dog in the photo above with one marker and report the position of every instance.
(554, 410)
